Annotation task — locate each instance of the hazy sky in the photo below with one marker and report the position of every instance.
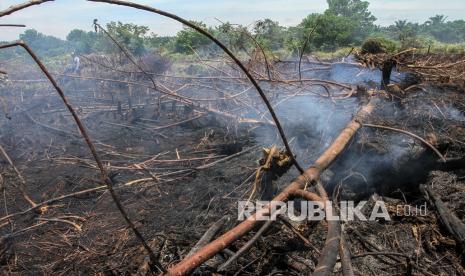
(59, 17)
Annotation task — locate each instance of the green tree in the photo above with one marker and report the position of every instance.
(331, 32)
(436, 20)
(344, 23)
(234, 36)
(358, 13)
(188, 39)
(81, 41)
(407, 33)
(269, 34)
(158, 43)
(449, 32)
(44, 45)
(132, 36)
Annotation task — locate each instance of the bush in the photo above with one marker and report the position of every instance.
(373, 46)
(376, 45)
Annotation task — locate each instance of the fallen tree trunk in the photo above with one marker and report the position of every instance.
(328, 256)
(452, 223)
(345, 255)
(307, 178)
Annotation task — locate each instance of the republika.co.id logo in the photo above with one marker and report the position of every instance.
(314, 210)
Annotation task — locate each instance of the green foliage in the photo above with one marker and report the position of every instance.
(376, 45)
(234, 36)
(132, 36)
(407, 33)
(332, 31)
(160, 43)
(435, 28)
(373, 46)
(344, 23)
(451, 32)
(269, 34)
(44, 45)
(447, 48)
(82, 42)
(188, 39)
(358, 13)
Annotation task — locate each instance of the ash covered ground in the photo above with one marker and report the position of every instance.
(162, 152)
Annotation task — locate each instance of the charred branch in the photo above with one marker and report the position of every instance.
(452, 223)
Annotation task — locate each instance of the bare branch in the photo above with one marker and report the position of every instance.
(443, 159)
(22, 6)
(13, 25)
(305, 47)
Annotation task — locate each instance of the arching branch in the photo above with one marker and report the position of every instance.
(22, 6)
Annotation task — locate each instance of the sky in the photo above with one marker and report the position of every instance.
(59, 17)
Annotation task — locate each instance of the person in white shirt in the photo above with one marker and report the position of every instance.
(77, 65)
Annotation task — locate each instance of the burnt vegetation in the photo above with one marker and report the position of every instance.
(125, 153)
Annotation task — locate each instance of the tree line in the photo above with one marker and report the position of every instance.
(346, 23)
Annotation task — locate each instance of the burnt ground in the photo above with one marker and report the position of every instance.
(174, 200)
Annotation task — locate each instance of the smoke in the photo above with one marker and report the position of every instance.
(310, 119)
(454, 114)
(312, 123)
(351, 74)
(346, 73)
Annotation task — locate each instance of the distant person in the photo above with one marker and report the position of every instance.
(77, 65)
(73, 67)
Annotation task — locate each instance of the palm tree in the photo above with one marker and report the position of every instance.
(436, 20)
(400, 25)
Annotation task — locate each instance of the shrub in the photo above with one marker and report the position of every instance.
(376, 45)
